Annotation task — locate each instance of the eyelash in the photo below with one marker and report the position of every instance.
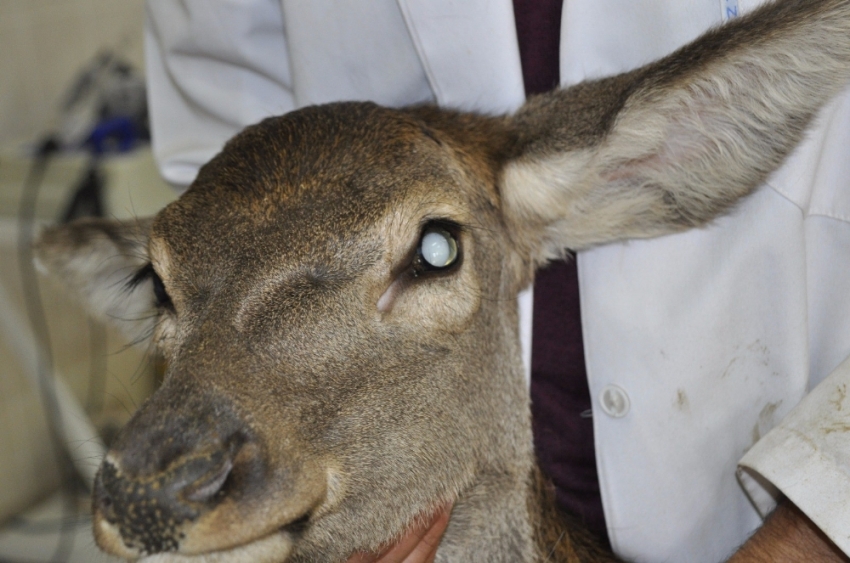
(161, 298)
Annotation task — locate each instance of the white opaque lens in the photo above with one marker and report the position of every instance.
(438, 249)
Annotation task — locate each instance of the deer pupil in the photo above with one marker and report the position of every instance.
(438, 248)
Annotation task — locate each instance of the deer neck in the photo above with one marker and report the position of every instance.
(508, 519)
(558, 537)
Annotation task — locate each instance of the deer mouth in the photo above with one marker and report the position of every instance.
(273, 548)
(217, 518)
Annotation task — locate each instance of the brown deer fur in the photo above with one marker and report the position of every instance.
(324, 392)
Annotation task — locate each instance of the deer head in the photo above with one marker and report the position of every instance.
(335, 295)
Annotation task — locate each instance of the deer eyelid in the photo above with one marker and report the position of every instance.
(147, 272)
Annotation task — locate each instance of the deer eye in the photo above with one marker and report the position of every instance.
(438, 249)
(160, 295)
(161, 298)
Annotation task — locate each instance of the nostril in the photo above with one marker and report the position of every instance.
(208, 486)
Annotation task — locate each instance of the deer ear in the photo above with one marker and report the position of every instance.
(672, 145)
(95, 259)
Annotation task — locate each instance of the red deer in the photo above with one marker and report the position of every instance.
(335, 297)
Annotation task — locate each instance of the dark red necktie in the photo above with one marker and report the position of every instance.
(563, 431)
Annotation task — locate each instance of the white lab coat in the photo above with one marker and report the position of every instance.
(697, 344)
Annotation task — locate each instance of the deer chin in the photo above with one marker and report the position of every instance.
(273, 548)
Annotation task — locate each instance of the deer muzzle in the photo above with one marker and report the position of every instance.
(195, 483)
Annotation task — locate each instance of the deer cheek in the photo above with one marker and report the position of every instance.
(443, 304)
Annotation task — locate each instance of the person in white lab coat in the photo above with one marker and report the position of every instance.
(707, 339)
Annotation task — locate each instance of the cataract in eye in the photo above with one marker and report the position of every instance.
(439, 248)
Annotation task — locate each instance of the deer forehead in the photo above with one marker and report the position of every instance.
(318, 177)
(322, 210)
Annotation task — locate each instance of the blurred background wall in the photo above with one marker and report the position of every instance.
(43, 45)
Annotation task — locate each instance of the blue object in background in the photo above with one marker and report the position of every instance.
(115, 134)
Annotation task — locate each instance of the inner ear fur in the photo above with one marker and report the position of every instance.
(95, 259)
(672, 145)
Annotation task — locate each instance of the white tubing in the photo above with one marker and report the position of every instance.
(82, 441)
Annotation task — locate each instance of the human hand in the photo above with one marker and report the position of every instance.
(418, 545)
(788, 536)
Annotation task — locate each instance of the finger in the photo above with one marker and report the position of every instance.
(426, 550)
(409, 549)
(361, 557)
(419, 545)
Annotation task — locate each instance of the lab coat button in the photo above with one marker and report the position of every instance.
(614, 400)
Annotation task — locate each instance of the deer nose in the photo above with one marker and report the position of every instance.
(152, 510)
